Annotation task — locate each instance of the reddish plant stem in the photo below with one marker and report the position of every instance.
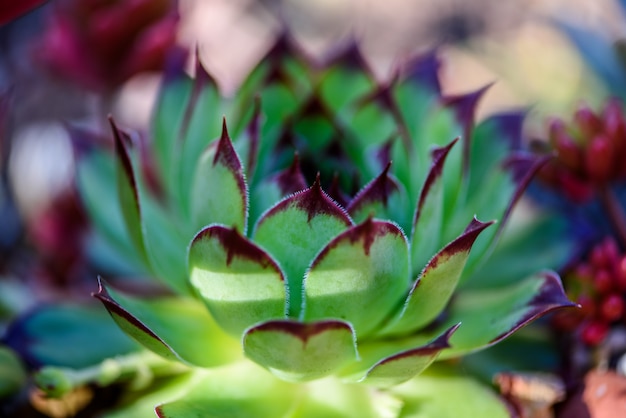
(614, 210)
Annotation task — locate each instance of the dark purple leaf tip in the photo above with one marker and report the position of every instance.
(464, 107)
(236, 245)
(253, 129)
(300, 330)
(121, 139)
(435, 346)
(115, 308)
(226, 154)
(523, 167)
(424, 70)
(463, 243)
(365, 232)
(314, 202)
(349, 56)
(551, 296)
(203, 77)
(378, 190)
(291, 180)
(438, 156)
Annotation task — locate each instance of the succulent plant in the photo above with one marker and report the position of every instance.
(362, 287)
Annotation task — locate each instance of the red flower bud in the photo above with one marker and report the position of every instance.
(620, 274)
(568, 152)
(594, 332)
(588, 122)
(574, 188)
(599, 159)
(603, 282)
(612, 307)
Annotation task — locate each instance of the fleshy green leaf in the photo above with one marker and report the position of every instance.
(433, 289)
(127, 190)
(219, 191)
(295, 230)
(359, 277)
(296, 351)
(386, 363)
(166, 245)
(242, 390)
(331, 398)
(240, 283)
(428, 219)
(445, 394)
(140, 404)
(516, 255)
(96, 180)
(204, 111)
(175, 328)
(491, 315)
(167, 123)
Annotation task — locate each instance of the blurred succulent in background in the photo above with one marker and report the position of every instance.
(586, 179)
(99, 44)
(12, 10)
(360, 283)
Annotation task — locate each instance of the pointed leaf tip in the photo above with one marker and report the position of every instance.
(405, 365)
(550, 297)
(439, 156)
(378, 190)
(291, 180)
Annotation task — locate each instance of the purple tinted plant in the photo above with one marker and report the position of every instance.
(306, 287)
(99, 44)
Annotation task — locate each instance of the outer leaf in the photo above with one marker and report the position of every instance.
(166, 244)
(433, 289)
(516, 255)
(219, 192)
(359, 277)
(96, 179)
(295, 230)
(295, 351)
(141, 405)
(203, 117)
(246, 390)
(331, 398)
(175, 328)
(167, 124)
(427, 222)
(444, 394)
(127, 191)
(240, 283)
(490, 316)
(66, 336)
(242, 390)
(386, 363)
